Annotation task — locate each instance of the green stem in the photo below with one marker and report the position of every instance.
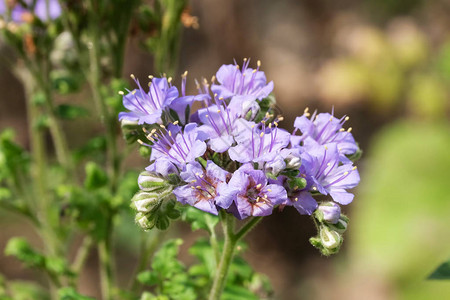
(214, 244)
(106, 274)
(231, 240)
(80, 257)
(227, 256)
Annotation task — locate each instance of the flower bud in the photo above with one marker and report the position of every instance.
(341, 224)
(329, 239)
(144, 221)
(297, 183)
(293, 162)
(144, 201)
(152, 182)
(328, 212)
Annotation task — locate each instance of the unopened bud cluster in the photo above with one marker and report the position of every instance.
(331, 226)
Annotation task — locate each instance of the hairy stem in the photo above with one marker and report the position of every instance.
(226, 258)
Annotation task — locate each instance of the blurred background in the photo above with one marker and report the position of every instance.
(384, 63)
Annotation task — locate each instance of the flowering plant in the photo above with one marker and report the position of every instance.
(230, 158)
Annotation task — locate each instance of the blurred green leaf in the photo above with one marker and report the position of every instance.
(69, 293)
(26, 290)
(442, 272)
(70, 112)
(94, 148)
(400, 215)
(22, 250)
(95, 176)
(199, 219)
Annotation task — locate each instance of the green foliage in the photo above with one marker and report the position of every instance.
(95, 176)
(69, 293)
(22, 250)
(65, 82)
(112, 98)
(199, 219)
(171, 279)
(25, 290)
(14, 161)
(93, 149)
(442, 272)
(168, 275)
(70, 112)
(403, 199)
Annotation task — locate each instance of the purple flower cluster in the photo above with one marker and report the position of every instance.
(24, 11)
(231, 154)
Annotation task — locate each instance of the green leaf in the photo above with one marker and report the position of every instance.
(95, 176)
(65, 82)
(165, 262)
(236, 292)
(21, 249)
(147, 278)
(199, 219)
(69, 293)
(26, 290)
(70, 112)
(442, 272)
(94, 148)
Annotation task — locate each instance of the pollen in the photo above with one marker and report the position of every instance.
(258, 186)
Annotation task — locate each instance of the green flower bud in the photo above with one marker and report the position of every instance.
(144, 221)
(341, 225)
(297, 183)
(145, 202)
(152, 182)
(330, 239)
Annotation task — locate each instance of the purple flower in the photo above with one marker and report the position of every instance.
(178, 147)
(258, 145)
(148, 107)
(322, 129)
(326, 174)
(255, 197)
(300, 198)
(244, 87)
(182, 105)
(220, 126)
(206, 189)
(20, 14)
